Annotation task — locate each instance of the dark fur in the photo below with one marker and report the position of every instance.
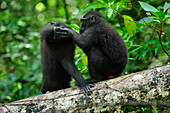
(57, 57)
(92, 12)
(106, 50)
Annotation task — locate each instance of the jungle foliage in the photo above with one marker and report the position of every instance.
(144, 26)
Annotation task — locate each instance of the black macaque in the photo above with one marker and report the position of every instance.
(57, 57)
(106, 50)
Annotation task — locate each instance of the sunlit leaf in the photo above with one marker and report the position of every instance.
(21, 23)
(84, 59)
(91, 6)
(40, 6)
(51, 3)
(131, 59)
(19, 85)
(110, 12)
(8, 97)
(101, 1)
(130, 26)
(20, 62)
(166, 6)
(147, 7)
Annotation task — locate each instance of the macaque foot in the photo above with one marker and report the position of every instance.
(91, 85)
(86, 90)
(110, 77)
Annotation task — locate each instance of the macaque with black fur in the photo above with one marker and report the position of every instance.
(105, 49)
(57, 57)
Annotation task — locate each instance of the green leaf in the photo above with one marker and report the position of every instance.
(156, 50)
(19, 85)
(147, 7)
(131, 59)
(101, 1)
(146, 19)
(142, 54)
(8, 97)
(110, 12)
(130, 26)
(135, 50)
(51, 3)
(127, 43)
(167, 16)
(161, 15)
(15, 55)
(91, 6)
(154, 17)
(166, 6)
(84, 59)
(40, 6)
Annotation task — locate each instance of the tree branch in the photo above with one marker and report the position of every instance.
(130, 90)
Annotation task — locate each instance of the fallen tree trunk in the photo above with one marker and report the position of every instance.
(137, 89)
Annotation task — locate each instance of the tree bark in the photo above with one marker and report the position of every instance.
(145, 88)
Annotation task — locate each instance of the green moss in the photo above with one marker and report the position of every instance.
(144, 91)
(128, 90)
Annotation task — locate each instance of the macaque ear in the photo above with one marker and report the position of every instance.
(52, 22)
(92, 18)
(83, 19)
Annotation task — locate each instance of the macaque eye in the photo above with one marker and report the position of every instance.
(93, 18)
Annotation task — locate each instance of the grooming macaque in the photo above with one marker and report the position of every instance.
(57, 57)
(106, 50)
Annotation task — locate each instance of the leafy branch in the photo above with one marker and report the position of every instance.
(145, 6)
(158, 30)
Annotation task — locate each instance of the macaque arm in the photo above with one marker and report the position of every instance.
(79, 39)
(74, 72)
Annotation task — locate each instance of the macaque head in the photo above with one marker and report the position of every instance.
(50, 32)
(90, 19)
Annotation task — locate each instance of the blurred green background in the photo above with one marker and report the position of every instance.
(21, 22)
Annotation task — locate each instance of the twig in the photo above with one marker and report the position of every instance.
(137, 11)
(161, 43)
(154, 109)
(165, 28)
